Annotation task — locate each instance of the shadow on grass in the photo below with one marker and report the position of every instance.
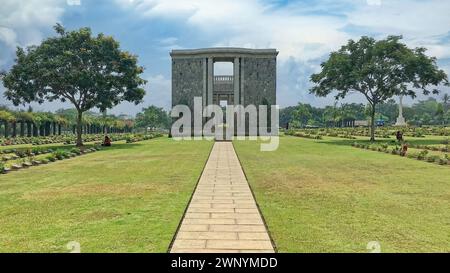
(121, 146)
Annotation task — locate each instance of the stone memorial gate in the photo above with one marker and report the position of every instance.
(253, 81)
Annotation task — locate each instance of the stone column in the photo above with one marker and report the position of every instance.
(236, 81)
(205, 82)
(400, 120)
(210, 80)
(241, 82)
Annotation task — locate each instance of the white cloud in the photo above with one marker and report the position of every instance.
(251, 24)
(73, 2)
(21, 22)
(297, 29)
(408, 17)
(374, 2)
(422, 23)
(304, 32)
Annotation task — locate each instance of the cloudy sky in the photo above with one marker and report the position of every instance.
(304, 32)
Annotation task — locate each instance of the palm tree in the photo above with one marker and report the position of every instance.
(7, 118)
(440, 113)
(328, 116)
(61, 121)
(24, 118)
(446, 100)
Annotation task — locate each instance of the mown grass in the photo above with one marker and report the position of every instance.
(128, 198)
(321, 196)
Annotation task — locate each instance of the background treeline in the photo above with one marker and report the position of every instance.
(63, 121)
(426, 112)
(33, 123)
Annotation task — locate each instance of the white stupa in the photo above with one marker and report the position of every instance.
(400, 120)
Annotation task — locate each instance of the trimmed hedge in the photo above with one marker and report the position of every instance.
(397, 150)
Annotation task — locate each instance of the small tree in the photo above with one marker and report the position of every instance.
(77, 67)
(379, 70)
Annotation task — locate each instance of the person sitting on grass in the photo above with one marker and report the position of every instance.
(404, 149)
(399, 136)
(106, 142)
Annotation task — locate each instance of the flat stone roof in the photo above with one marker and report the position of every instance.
(223, 52)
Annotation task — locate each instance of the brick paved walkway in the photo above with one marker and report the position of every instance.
(222, 216)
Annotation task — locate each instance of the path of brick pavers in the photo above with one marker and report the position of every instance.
(222, 216)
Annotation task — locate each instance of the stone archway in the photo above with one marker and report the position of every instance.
(253, 78)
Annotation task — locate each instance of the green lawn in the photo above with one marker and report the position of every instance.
(321, 196)
(129, 198)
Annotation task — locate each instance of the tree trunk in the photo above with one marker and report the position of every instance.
(48, 129)
(29, 129)
(6, 129)
(14, 129)
(372, 124)
(35, 130)
(22, 128)
(79, 129)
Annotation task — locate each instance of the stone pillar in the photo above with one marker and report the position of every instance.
(400, 120)
(205, 82)
(236, 81)
(241, 81)
(210, 80)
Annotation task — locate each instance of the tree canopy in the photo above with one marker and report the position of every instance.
(379, 70)
(153, 116)
(85, 70)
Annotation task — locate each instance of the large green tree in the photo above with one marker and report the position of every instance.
(301, 115)
(152, 116)
(85, 70)
(379, 70)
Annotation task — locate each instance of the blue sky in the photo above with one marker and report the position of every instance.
(304, 32)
